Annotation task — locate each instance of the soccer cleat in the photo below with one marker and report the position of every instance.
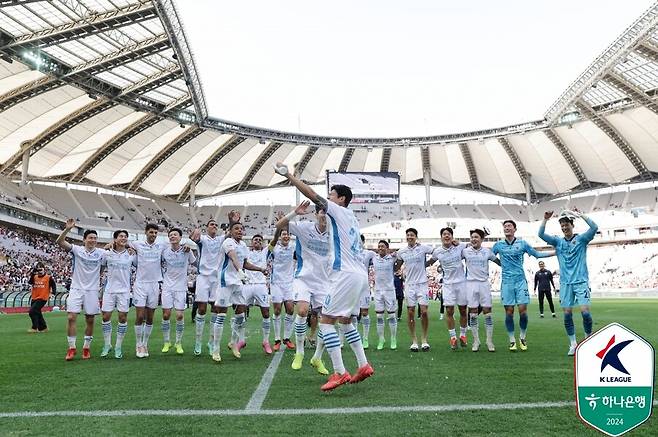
(380, 344)
(572, 350)
(70, 354)
(319, 366)
(86, 353)
(241, 345)
(554, 315)
(179, 349)
(512, 346)
(413, 347)
(440, 318)
(491, 347)
(297, 361)
(523, 345)
(236, 351)
(118, 353)
(362, 373)
(476, 346)
(197, 348)
(463, 341)
(32, 331)
(394, 343)
(425, 347)
(229, 345)
(277, 345)
(541, 316)
(166, 347)
(336, 380)
(43, 331)
(138, 352)
(106, 350)
(453, 343)
(366, 345)
(289, 344)
(145, 351)
(216, 357)
(267, 348)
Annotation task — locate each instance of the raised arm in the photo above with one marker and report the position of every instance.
(550, 239)
(537, 254)
(301, 209)
(61, 240)
(307, 191)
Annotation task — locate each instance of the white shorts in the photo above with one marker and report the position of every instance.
(174, 299)
(230, 295)
(478, 294)
(344, 291)
(364, 298)
(256, 294)
(311, 294)
(282, 292)
(385, 301)
(206, 288)
(416, 294)
(79, 299)
(118, 301)
(454, 294)
(145, 294)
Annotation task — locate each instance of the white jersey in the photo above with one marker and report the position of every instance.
(259, 259)
(228, 275)
(384, 268)
(367, 256)
(414, 262)
(209, 254)
(175, 264)
(86, 268)
(477, 263)
(282, 264)
(119, 270)
(312, 251)
(451, 263)
(149, 261)
(344, 239)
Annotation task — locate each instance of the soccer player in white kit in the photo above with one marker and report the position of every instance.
(311, 276)
(85, 283)
(478, 288)
(449, 254)
(416, 287)
(281, 277)
(146, 289)
(347, 279)
(118, 262)
(175, 260)
(255, 292)
(364, 299)
(231, 279)
(385, 301)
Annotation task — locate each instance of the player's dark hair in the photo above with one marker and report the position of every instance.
(180, 233)
(211, 221)
(89, 232)
(411, 230)
(257, 236)
(447, 228)
(566, 220)
(119, 232)
(150, 226)
(384, 242)
(480, 232)
(232, 225)
(363, 238)
(510, 221)
(343, 191)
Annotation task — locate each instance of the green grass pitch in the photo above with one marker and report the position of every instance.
(35, 377)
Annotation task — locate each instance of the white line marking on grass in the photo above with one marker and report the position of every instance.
(257, 399)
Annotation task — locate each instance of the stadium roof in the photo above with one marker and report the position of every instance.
(106, 92)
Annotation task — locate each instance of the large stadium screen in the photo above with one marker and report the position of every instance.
(368, 187)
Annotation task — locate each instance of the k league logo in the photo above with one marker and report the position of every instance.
(614, 380)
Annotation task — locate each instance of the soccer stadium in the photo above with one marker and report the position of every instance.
(336, 280)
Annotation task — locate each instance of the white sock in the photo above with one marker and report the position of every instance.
(300, 333)
(199, 324)
(488, 325)
(180, 328)
(277, 327)
(393, 325)
(139, 333)
(287, 326)
(166, 328)
(380, 326)
(147, 334)
(107, 332)
(240, 323)
(332, 344)
(71, 339)
(462, 331)
(218, 328)
(354, 339)
(319, 345)
(474, 327)
(266, 329)
(234, 331)
(213, 319)
(87, 343)
(122, 328)
(453, 333)
(365, 321)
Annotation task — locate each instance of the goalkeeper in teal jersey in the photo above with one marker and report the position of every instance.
(574, 279)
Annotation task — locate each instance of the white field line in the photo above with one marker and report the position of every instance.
(257, 399)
